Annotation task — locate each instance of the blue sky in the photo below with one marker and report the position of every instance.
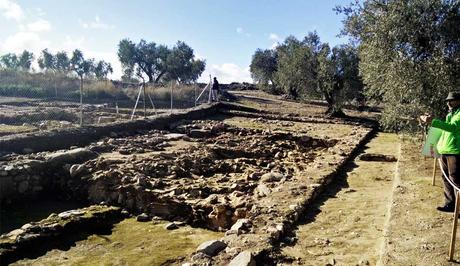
(224, 33)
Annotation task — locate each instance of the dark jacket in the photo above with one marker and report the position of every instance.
(215, 85)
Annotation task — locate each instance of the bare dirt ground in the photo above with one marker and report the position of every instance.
(381, 213)
(345, 226)
(417, 234)
(374, 212)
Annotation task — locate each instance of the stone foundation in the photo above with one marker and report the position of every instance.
(25, 179)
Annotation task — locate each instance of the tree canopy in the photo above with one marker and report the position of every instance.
(264, 65)
(158, 62)
(310, 69)
(22, 62)
(102, 69)
(409, 54)
(80, 65)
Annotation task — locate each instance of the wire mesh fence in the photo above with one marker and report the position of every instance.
(31, 102)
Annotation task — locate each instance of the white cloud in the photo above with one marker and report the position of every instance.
(39, 12)
(274, 37)
(39, 25)
(11, 10)
(96, 24)
(20, 41)
(227, 73)
(241, 31)
(71, 43)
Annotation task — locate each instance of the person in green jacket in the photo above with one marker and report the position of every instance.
(449, 148)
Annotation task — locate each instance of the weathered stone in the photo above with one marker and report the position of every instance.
(174, 136)
(15, 233)
(244, 258)
(212, 247)
(78, 170)
(23, 186)
(171, 226)
(271, 177)
(219, 127)
(241, 226)
(199, 133)
(262, 190)
(212, 199)
(71, 156)
(179, 223)
(70, 213)
(143, 217)
(219, 217)
(199, 257)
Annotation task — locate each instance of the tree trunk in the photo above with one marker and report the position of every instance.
(150, 75)
(159, 76)
(293, 93)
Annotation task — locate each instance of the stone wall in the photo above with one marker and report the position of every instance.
(24, 179)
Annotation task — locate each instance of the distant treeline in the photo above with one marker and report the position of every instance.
(64, 76)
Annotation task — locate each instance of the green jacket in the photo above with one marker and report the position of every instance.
(449, 142)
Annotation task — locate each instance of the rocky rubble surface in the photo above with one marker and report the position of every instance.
(212, 183)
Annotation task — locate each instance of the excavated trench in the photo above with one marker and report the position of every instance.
(205, 173)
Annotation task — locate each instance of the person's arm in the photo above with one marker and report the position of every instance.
(453, 126)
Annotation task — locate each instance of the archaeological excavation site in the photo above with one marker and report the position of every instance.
(228, 183)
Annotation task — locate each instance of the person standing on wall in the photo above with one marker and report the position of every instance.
(449, 148)
(215, 89)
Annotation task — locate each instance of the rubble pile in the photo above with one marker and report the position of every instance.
(212, 182)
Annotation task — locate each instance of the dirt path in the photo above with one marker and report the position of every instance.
(345, 227)
(417, 233)
(381, 213)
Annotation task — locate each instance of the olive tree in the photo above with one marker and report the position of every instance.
(143, 58)
(295, 68)
(181, 64)
(158, 62)
(264, 65)
(409, 54)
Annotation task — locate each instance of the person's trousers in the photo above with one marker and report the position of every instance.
(451, 167)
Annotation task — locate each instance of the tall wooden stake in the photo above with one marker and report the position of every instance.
(145, 109)
(81, 101)
(454, 227)
(171, 97)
